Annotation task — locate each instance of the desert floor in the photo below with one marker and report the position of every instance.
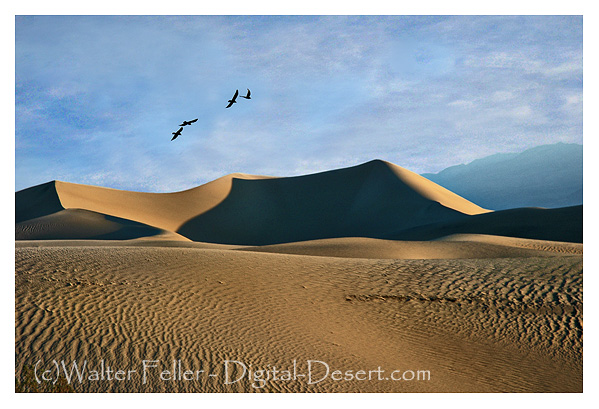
(507, 321)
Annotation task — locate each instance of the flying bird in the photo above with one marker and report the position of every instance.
(247, 96)
(188, 122)
(175, 134)
(232, 101)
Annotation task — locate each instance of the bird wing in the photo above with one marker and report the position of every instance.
(249, 92)
(235, 95)
(191, 122)
(230, 103)
(174, 137)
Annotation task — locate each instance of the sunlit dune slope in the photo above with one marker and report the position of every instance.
(488, 247)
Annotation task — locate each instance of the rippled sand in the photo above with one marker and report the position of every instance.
(509, 324)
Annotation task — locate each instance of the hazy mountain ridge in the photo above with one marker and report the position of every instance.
(545, 176)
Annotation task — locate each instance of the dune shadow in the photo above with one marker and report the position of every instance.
(356, 202)
(71, 224)
(37, 201)
(561, 224)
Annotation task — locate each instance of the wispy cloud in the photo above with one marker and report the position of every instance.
(98, 96)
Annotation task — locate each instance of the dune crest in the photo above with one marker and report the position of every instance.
(373, 199)
(376, 199)
(435, 192)
(163, 210)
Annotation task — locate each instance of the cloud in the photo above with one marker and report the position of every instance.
(98, 96)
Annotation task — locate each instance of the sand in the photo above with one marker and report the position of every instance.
(85, 224)
(452, 247)
(374, 199)
(372, 271)
(503, 324)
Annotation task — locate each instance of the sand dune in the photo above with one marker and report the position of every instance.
(501, 325)
(488, 247)
(375, 200)
(543, 245)
(85, 224)
(563, 224)
(152, 241)
(451, 247)
(364, 268)
(368, 200)
(37, 201)
(166, 211)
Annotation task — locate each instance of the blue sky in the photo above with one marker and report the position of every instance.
(97, 97)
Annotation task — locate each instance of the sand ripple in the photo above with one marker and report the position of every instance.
(507, 324)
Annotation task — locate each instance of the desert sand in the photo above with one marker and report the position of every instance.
(374, 199)
(370, 268)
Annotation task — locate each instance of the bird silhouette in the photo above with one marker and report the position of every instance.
(232, 100)
(247, 96)
(175, 134)
(188, 122)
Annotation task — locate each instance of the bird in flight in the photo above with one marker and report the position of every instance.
(188, 122)
(175, 134)
(232, 100)
(247, 96)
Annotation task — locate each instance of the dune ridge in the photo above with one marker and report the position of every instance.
(459, 247)
(374, 200)
(86, 224)
(451, 247)
(364, 200)
(163, 210)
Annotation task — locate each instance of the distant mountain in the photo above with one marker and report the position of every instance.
(545, 176)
